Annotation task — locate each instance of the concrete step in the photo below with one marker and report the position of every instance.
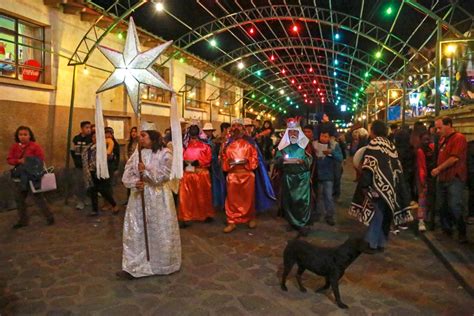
(458, 258)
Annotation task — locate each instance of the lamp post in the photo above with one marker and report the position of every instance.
(450, 52)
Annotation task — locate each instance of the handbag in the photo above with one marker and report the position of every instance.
(48, 182)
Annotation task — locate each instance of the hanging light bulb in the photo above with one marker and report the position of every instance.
(159, 6)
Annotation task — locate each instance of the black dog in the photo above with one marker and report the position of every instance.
(327, 262)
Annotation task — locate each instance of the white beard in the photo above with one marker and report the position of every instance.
(293, 140)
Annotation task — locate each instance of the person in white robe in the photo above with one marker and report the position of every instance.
(163, 231)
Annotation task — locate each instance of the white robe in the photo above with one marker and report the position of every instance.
(163, 231)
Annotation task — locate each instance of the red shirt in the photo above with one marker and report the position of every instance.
(454, 145)
(31, 149)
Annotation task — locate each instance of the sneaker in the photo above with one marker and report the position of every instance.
(304, 231)
(252, 223)
(229, 228)
(395, 231)
(50, 221)
(124, 275)
(448, 232)
(421, 226)
(209, 220)
(184, 225)
(115, 210)
(403, 227)
(107, 207)
(470, 220)
(368, 250)
(330, 221)
(19, 225)
(80, 206)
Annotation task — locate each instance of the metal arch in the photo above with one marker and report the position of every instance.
(356, 54)
(449, 12)
(299, 75)
(369, 67)
(214, 27)
(96, 34)
(275, 49)
(344, 93)
(434, 16)
(296, 92)
(305, 76)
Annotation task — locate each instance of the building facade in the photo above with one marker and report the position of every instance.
(38, 37)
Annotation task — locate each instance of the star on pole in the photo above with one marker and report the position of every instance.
(133, 67)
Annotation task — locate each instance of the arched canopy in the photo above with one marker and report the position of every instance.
(340, 44)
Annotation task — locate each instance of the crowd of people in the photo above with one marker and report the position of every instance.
(249, 168)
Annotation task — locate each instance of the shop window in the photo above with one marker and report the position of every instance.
(22, 49)
(154, 94)
(227, 99)
(194, 94)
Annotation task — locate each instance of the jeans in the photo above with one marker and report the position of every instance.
(449, 205)
(337, 179)
(102, 186)
(40, 201)
(79, 187)
(375, 235)
(325, 198)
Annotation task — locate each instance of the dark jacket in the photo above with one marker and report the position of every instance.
(326, 165)
(32, 170)
(79, 143)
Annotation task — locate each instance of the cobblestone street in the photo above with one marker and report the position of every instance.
(69, 268)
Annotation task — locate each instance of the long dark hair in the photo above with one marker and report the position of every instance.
(131, 140)
(156, 140)
(24, 128)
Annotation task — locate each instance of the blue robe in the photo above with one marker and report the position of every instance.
(217, 179)
(264, 194)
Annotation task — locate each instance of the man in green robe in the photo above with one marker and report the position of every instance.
(295, 165)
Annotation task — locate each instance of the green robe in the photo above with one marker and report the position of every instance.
(295, 186)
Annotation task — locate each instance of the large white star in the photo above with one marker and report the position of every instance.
(133, 68)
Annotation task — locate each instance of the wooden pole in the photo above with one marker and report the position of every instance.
(142, 194)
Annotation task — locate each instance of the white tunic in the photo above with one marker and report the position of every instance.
(163, 231)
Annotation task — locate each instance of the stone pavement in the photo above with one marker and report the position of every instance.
(68, 269)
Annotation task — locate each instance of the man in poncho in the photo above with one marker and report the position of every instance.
(295, 164)
(381, 194)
